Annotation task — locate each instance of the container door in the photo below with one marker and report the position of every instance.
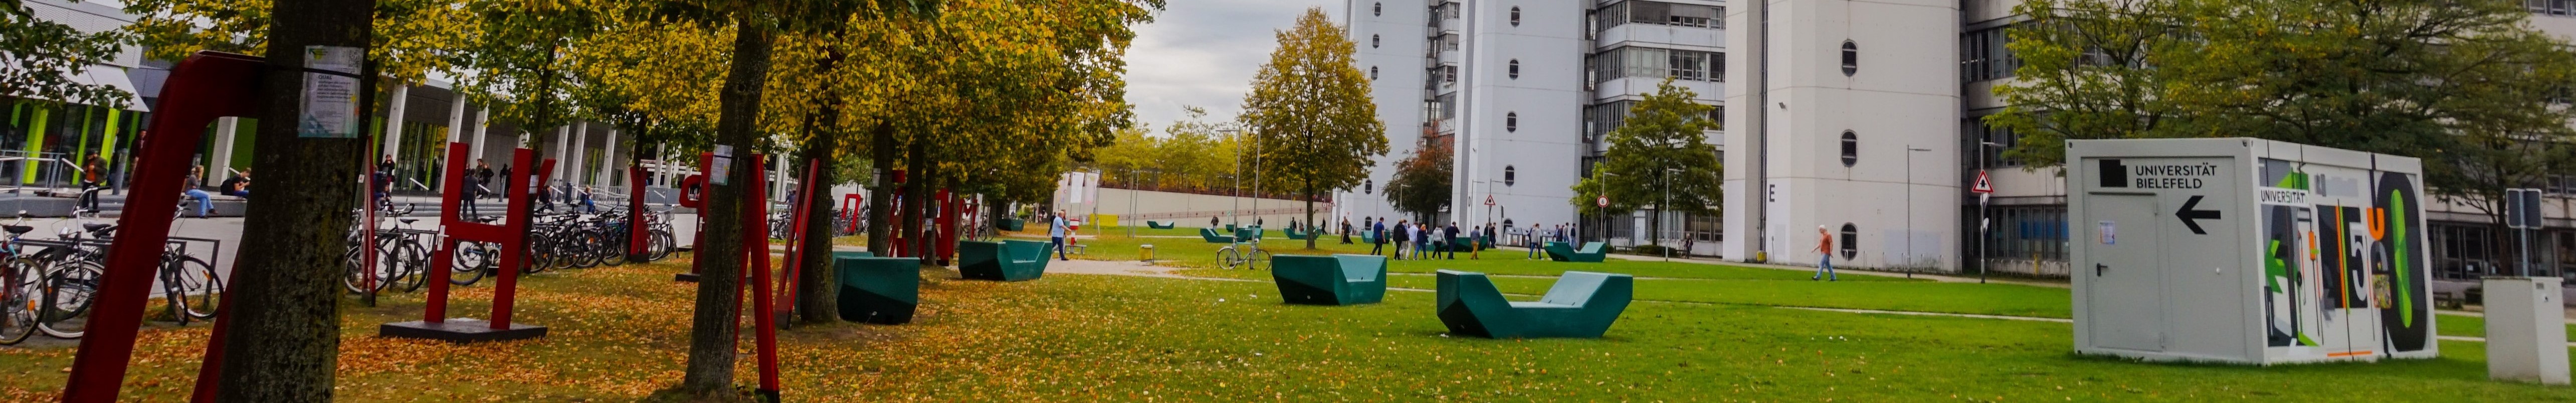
(2126, 295)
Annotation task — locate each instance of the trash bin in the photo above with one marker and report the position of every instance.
(1147, 254)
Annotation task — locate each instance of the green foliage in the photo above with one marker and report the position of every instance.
(1421, 183)
(410, 37)
(2469, 86)
(41, 52)
(1661, 153)
(1190, 155)
(1313, 124)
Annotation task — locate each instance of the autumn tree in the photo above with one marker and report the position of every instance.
(1658, 157)
(2469, 87)
(38, 56)
(1310, 105)
(1421, 183)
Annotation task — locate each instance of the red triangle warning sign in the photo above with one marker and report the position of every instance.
(1983, 184)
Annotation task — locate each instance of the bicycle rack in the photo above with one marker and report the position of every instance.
(511, 235)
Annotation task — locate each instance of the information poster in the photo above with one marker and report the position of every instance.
(330, 92)
(718, 169)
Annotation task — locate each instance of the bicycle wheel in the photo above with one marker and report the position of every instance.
(662, 244)
(1260, 258)
(473, 259)
(68, 295)
(582, 250)
(20, 291)
(356, 279)
(410, 264)
(1229, 257)
(193, 288)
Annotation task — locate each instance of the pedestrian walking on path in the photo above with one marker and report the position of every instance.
(1055, 229)
(1825, 246)
(1377, 236)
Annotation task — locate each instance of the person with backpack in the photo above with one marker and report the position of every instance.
(1825, 246)
(1403, 228)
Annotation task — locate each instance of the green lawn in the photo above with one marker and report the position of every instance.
(2471, 326)
(620, 332)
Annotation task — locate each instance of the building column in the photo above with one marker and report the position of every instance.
(455, 133)
(608, 161)
(572, 174)
(482, 125)
(394, 118)
(563, 140)
(35, 145)
(219, 164)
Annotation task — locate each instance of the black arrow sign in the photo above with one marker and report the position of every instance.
(2186, 214)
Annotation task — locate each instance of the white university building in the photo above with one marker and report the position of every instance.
(1859, 117)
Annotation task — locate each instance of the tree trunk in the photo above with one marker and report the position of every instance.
(880, 196)
(719, 307)
(815, 287)
(285, 311)
(916, 196)
(1310, 214)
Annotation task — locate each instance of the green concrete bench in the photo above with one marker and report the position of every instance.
(1210, 235)
(1368, 237)
(1229, 228)
(1582, 304)
(1590, 253)
(1293, 233)
(1010, 224)
(1329, 280)
(1159, 225)
(880, 290)
(1465, 243)
(1250, 233)
(1008, 260)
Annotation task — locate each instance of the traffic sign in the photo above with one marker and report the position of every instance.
(1603, 201)
(1984, 185)
(1489, 200)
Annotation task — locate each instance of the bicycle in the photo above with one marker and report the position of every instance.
(20, 288)
(1253, 259)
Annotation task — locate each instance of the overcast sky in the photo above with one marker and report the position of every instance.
(1203, 53)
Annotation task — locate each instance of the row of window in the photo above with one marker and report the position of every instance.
(1658, 13)
(1982, 55)
(1599, 119)
(2551, 7)
(1633, 61)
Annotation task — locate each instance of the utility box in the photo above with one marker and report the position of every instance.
(2240, 250)
(2526, 330)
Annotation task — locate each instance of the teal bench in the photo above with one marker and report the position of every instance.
(1159, 225)
(1010, 224)
(1229, 228)
(1468, 244)
(1329, 280)
(1590, 253)
(1210, 235)
(1293, 233)
(1249, 233)
(880, 290)
(1008, 260)
(1368, 237)
(1582, 304)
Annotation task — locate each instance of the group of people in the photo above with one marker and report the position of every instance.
(1424, 240)
(1537, 237)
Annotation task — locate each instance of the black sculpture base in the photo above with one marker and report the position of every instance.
(459, 330)
(685, 277)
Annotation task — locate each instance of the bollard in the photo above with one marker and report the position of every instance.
(1148, 253)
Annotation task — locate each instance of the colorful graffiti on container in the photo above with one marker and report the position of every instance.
(2344, 263)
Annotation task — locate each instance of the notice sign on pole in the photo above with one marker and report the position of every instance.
(330, 108)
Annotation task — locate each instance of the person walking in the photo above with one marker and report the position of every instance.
(1377, 237)
(1346, 230)
(1532, 239)
(1055, 229)
(1423, 246)
(93, 180)
(1449, 240)
(1403, 238)
(1825, 246)
(1476, 243)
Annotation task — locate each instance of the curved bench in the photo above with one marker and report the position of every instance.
(1209, 234)
(1010, 224)
(1159, 225)
(1008, 260)
(1249, 233)
(1582, 304)
(1329, 280)
(1592, 252)
(880, 290)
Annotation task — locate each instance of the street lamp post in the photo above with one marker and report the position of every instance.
(1909, 206)
(1604, 186)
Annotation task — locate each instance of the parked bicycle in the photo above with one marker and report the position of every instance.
(1243, 254)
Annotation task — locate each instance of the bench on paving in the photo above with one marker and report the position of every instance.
(1008, 260)
(1582, 304)
(1159, 225)
(880, 290)
(1592, 252)
(1210, 235)
(1010, 224)
(1329, 280)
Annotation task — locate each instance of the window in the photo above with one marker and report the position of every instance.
(1600, 119)
(1373, 41)
(1993, 156)
(1851, 58)
(1516, 16)
(1511, 121)
(1372, 73)
(1516, 69)
(1851, 148)
(1717, 115)
(1377, 9)
(1449, 105)
(1369, 186)
(1644, 62)
(2551, 7)
(1448, 74)
(1984, 57)
(1849, 241)
(1658, 13)
(2026, 232)
(1510, 175)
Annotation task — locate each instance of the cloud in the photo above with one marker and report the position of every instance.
(1204, 52)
